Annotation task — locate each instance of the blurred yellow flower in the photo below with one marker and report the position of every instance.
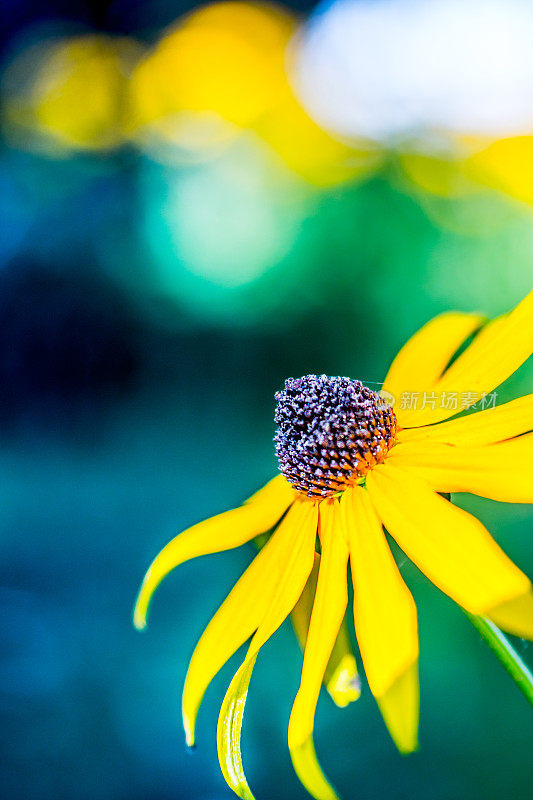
(354, 462)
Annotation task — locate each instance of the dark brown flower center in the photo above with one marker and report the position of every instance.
(331, 431)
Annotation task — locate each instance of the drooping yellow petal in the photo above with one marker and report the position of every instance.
(275, 491)
(222, 532)
(501, 471)
(341, 678)
(310, 773)
(498, 350)
(385, 620)
(485, 427)
(422, 360)
(515, 616)
(229, 731)
(239, 616)
(328, 612)
(449, 545)
(293, 569)
(400, 708)
(301, 613)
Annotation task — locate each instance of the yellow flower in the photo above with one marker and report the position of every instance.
(351, 464)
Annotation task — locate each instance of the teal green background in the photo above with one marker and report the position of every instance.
(137, 397)
(94, 480)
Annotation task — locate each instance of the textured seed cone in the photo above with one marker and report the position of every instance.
(331, 431)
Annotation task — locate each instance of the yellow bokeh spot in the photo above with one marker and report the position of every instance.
(265, 27)
(506, 165)
(312, 152)
(70, 93)
(227, 59)
(440, 176)
(474, 164)
(223, 71)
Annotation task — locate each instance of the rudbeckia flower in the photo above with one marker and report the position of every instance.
(352, 463)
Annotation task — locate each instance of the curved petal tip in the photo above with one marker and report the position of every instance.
(140, 609)
(309, 771)
(399, 708)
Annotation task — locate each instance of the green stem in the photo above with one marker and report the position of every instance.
(503, 649)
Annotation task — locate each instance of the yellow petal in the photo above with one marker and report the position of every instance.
(423, 359)
(229, 731)
(341, 678)
(449, 545)
(292, 571)
(328, 612)
(301, 613)
(239, 616)
(400, 706)
(275, 491)
(485, 427)
(310, 773)
(501, 471)
(227, 530)
(440, 401)
(493, 357)
(498, 350)
(385, 619)
(515, 616)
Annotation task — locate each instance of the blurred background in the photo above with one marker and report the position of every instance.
(197, 202)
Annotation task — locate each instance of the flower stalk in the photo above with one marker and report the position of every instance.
(505, 652)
